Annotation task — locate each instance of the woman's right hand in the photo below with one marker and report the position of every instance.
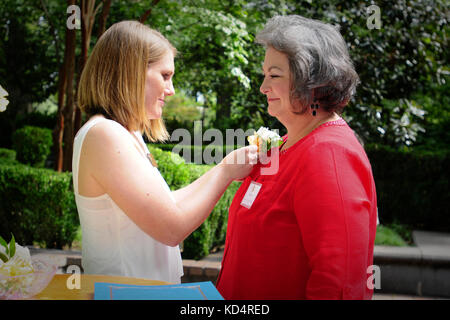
(239, 163)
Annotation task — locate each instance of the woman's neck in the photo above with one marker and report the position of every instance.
(300, 126)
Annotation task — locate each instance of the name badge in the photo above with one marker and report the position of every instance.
(250, 195)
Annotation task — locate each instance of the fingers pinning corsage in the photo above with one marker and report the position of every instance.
(265, 139)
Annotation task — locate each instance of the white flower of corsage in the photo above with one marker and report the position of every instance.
(265, 139)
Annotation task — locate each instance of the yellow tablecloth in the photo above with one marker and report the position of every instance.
(58, 289)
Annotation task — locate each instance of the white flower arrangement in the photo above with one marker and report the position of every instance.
(16, 269)
(265, 139)
(3, 100)
(15, 260)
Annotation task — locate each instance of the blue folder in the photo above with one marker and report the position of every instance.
(184, 291)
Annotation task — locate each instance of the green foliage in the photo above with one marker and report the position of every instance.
(172, 168)
(37, 205)
(403, 121)
(7, 156)
(180, 111)
(412, 187)
(405, 56)
(436, 102)
(31, 50)
(404, 231)
(32, 145)
(212, 232)
(10, 249)
(387, 237)
(219, 64)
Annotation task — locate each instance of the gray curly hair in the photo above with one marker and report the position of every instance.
(319, 62)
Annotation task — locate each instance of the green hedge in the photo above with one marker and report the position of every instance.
(412, 187)
(212, 232)
(172, 168)
(37, 205)
(197, 150)
(7, 156)
(32, 145)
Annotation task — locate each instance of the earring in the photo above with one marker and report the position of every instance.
(314, 107)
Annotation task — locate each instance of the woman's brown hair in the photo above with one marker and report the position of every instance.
(113, 80)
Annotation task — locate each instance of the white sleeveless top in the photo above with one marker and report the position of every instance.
(112, 244)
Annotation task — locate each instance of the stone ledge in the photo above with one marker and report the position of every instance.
(200, 270)
(425, 256)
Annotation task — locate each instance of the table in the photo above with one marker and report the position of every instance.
(57, 288)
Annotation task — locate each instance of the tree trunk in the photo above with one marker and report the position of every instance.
(103, 18)
(59, 128)
(58, 132)
(68, 110)
(88, 13)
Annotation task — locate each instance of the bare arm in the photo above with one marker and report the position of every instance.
(125, 176)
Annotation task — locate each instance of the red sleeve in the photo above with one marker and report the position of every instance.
(332, 208)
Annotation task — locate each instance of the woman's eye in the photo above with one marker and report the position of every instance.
(274, 76)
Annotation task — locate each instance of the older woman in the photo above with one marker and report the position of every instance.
(307, 231)
(131, 221)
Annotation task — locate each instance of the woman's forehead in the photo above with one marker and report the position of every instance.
(275, 59)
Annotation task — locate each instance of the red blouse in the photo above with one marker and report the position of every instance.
(310, 231)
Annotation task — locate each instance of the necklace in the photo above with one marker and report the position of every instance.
(324, 123)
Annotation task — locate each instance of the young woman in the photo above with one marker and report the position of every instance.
(131, 222)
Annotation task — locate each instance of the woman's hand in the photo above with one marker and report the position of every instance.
(239, 163)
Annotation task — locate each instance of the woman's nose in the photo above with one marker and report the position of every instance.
(264, 88)
(169, 91)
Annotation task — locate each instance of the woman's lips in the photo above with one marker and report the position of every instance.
(162, 101)
(272, 99)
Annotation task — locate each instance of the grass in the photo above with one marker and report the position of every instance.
(393, 235)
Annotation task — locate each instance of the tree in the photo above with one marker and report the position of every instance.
(69, 116)
(29, 57)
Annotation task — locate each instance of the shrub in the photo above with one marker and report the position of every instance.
(7, 156)
(172, 168)
(412, 187)
(387, 237)
(37, 205)
(32, 145)
(212, 232)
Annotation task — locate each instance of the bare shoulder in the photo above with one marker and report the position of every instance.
(106, 132)
(107, 144)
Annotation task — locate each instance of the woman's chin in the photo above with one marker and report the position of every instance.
(271, 112)
(154, 115)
